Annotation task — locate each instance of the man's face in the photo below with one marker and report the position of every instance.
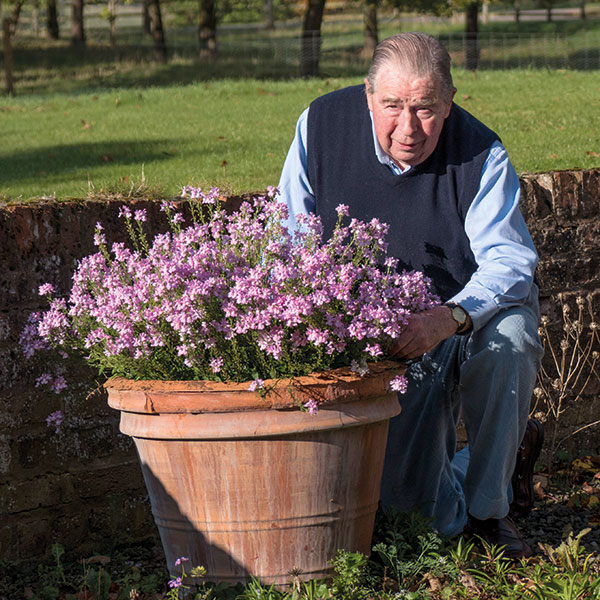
(408, 113)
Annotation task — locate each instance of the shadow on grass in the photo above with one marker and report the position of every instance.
(52, 160)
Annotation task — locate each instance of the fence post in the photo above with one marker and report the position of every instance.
(6, 27)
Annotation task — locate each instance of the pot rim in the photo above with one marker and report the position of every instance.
(327, 387)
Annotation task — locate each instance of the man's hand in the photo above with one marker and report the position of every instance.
(425, 330)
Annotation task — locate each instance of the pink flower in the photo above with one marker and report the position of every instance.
(55, 420)
(180, 560)
(46, 289)
(216, 364)
(58, 385)
(311, 406)
(399, 384)
(257, 384)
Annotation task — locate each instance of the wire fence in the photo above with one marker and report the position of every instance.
(340, 44)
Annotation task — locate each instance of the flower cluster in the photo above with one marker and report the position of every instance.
(232, 297)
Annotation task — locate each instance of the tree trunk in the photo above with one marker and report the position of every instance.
(549, 13)
(14, 18)
(207, 29)
(371, 32)
(7, 47)
(269, 13)
(157, 30)
(77, 29)
(582, 14)
(517, 6)
(472, 36)
(112, 22)
(485, 12)
(310, 52)
(35, 16)
(146, 22)
(52, 19)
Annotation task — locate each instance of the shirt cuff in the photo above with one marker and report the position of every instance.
(480, 306)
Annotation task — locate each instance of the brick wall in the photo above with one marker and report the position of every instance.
(82, 486)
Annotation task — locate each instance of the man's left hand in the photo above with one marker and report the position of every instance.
(424, 331)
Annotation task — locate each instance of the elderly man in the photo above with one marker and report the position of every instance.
(399, 149)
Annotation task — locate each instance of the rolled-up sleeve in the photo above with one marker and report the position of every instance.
(500, 241)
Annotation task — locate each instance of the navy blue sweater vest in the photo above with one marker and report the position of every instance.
(425, 208)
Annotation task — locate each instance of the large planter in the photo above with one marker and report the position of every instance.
(252, 486)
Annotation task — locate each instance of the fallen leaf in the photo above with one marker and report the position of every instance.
(434, 583)
(466, 97)
(539, 491)
(587, 488)
(117, 101)
(106, 158)
(584, 464)
(94, 97)
(223, 163)
(593, 501)
(99, 558)
(592, 153)
(264, 92)
(85, 124)
(467, 580)
(220, 137)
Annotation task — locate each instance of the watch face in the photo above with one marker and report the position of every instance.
(459, 315)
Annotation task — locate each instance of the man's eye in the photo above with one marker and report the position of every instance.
(424, 113)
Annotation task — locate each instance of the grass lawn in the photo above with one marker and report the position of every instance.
(235, 133)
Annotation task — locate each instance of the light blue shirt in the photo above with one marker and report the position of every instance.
(499, 239)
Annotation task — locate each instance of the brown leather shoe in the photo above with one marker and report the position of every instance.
(522, 478)
(500, 532)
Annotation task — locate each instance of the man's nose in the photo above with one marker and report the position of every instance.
(407, 123)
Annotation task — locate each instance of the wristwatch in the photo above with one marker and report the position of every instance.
(460, 315)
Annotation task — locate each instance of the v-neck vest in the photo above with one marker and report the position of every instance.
(424, 207)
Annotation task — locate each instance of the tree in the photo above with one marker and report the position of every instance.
(310, 52)
(269, 14)
(207, 28)
(146, 22)
(371, 30)
(52, 19)
(157, 30)
(472, 35)
(14, 18)
(77, 29)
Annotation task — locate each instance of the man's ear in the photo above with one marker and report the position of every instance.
(369, 94)
(450, 102)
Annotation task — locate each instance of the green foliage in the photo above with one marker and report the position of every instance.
(411, 550)
(411, 563)
(350, 575)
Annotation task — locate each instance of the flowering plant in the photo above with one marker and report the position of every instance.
(232, 297)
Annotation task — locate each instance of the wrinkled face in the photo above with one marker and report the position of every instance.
(408, 113)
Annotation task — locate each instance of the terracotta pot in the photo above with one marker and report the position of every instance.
(252, 486)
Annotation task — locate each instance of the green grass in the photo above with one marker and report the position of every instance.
(235, 133)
